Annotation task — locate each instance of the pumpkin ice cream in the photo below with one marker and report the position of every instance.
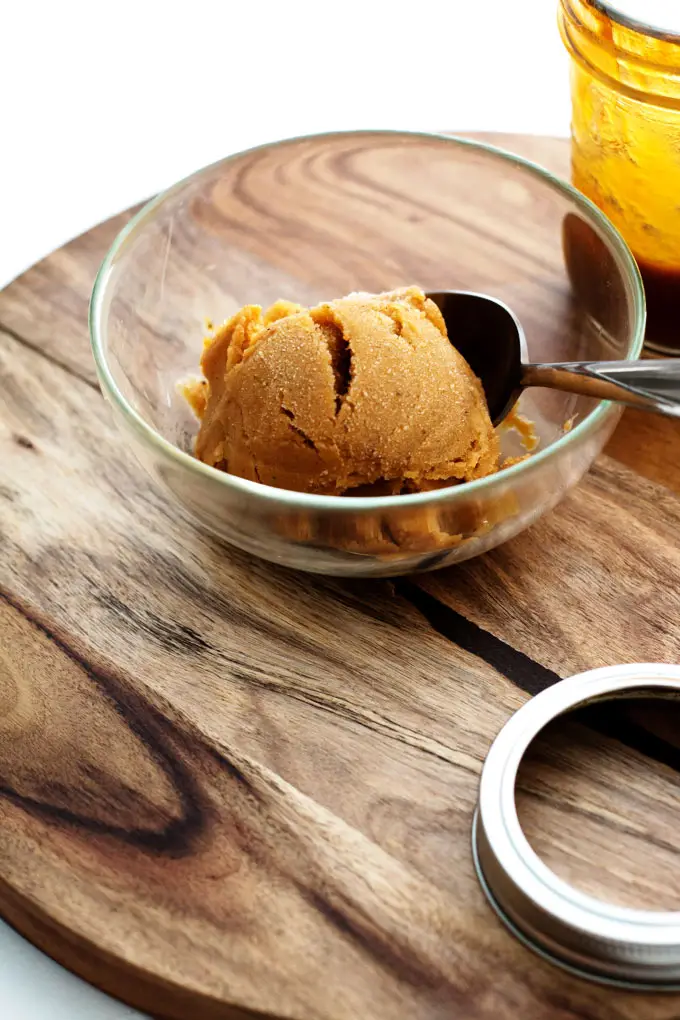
(366, 394)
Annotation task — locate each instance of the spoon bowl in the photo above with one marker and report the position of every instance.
(491, 339)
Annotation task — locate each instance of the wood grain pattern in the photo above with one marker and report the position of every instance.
(231, 791)
(571, 757)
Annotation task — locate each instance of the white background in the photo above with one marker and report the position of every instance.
(103, 104)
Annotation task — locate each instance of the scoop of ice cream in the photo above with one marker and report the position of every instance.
(366, 393)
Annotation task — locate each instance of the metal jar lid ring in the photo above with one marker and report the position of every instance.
(618, 945)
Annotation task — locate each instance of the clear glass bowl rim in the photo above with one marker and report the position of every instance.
(310, 501)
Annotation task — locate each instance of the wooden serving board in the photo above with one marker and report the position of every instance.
(227, 790)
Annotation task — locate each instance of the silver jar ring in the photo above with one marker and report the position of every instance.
(596, 939)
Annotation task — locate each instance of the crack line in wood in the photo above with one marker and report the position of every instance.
(514, 665)
(529, 675)
(37, 349)
(647, 838)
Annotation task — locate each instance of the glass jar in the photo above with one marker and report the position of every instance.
(625, 85)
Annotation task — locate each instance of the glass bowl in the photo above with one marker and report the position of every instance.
(315, 218)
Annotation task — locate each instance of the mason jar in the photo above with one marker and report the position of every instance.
(625, 155)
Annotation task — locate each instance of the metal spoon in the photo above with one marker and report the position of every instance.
(491, 340)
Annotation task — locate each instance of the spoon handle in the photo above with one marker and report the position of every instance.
(652, 385)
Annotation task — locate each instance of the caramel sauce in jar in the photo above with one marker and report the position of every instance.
(625, 86)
